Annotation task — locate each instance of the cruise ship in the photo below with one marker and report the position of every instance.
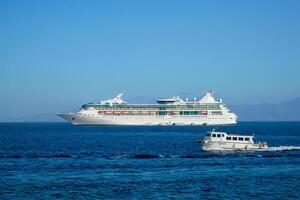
(170, 111)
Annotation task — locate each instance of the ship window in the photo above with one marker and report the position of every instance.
(241, 139)
(247, 139)
(194, 112)
(214, 135)
(162, 113)
(186, 112)
(216, 112)
(234, 138)
(228, 138)
(218, 135)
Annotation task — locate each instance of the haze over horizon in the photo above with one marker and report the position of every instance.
(57, 55)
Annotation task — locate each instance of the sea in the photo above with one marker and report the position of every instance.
(62, 161)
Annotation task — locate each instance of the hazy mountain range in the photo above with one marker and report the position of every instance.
(285, 111)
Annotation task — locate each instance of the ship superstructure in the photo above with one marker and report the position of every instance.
(170, 111)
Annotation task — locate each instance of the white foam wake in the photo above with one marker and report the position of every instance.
(282, 148)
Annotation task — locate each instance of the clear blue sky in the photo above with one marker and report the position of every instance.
(57, 55)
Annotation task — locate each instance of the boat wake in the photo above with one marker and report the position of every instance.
(281, 148)
(212, 154)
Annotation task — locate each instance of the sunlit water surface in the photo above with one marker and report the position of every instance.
(62, 161)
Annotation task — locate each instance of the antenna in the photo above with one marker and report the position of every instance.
(119, 95)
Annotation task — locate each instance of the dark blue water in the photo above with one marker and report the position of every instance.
(62, 161)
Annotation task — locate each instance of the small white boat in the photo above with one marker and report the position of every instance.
(221, 141)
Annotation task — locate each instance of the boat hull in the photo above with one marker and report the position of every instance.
(80, 119)
(228, 146)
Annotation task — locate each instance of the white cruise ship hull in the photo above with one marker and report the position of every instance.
(80, 119)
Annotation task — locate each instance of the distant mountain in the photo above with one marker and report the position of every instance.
(45, 117)
(286, 111)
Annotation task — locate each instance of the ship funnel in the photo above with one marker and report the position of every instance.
(117, 100)
(208, 97)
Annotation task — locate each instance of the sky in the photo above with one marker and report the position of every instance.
(57, 55)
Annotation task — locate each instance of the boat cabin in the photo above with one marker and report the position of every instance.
(224, 137)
